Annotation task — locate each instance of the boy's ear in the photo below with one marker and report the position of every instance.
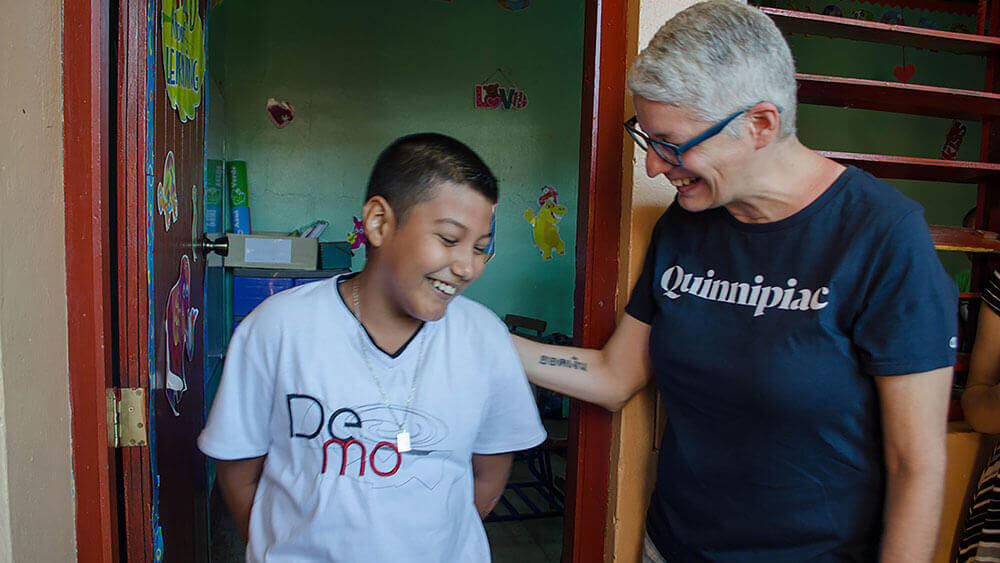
(379, 220)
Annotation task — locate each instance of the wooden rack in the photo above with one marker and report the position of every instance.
(923, 100)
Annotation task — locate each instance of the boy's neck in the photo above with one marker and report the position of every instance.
(387, 326)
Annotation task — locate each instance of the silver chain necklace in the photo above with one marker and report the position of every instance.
(403, 437)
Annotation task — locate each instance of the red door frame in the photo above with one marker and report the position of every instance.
(136, 483)
(86, 163)
(598, 235)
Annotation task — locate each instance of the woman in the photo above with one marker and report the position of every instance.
(981, 405)
(793, 311)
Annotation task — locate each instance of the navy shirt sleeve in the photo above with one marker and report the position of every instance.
(642, 304)
(908, 319)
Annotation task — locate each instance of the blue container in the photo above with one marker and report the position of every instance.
(248, 292)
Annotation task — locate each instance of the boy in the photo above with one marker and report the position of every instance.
(371, 417)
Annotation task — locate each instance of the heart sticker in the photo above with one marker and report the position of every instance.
(905, 73)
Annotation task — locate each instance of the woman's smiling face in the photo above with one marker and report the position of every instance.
(706, 178)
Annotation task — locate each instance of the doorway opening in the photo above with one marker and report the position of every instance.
(305, 103)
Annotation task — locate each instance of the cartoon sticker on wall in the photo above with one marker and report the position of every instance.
(543, 224)
(195, 204)
(180, 324)
(513, 5)
(152, 15)
(904, 72)
(891, 16)
(491, 95)
(166, 192)
(157, 540)
(183, 56)
(357, 236)
(281, 113)
(862, 14)
(953, 140)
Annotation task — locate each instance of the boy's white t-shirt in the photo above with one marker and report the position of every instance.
(295, 380)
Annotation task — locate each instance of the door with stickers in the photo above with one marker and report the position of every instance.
(160, 115)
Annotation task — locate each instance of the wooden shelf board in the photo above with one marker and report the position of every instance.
(897, 97)
(965, 240)
(970, 296)
(874, 32)
(911, 168)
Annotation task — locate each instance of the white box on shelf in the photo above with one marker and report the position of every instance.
(271, 251)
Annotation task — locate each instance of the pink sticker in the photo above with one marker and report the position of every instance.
(953, 140)
(281, 113)
(491, 95)
(179, 323)
(357, 236)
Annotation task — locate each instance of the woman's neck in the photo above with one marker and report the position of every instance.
(784, 183)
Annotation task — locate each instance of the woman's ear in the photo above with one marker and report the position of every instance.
(765, 121)
(379, 220)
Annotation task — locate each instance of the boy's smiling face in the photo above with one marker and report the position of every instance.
(436, 251)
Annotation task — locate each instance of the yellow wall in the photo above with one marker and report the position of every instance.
(968, 451)
(643, 201)
(36, 490)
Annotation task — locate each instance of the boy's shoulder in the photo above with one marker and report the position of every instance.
(296, 303)
(465, 312)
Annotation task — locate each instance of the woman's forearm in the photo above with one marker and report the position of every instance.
(607, 377)
(912, 513)
(914, 429)
(577, 372)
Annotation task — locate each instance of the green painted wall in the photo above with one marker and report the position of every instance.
(361, 74)
(863, 131)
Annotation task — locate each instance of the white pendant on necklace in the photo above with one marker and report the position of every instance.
(403, 441)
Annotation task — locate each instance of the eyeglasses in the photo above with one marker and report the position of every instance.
(670, 152)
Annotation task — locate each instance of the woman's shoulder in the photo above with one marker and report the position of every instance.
(874, 199)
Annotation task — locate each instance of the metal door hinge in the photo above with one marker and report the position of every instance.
(126, 417)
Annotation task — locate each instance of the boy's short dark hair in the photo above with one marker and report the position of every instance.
(408, 170)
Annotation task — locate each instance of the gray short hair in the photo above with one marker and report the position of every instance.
(716, 58)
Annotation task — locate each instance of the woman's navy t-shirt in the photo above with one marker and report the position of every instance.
(764, 338)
